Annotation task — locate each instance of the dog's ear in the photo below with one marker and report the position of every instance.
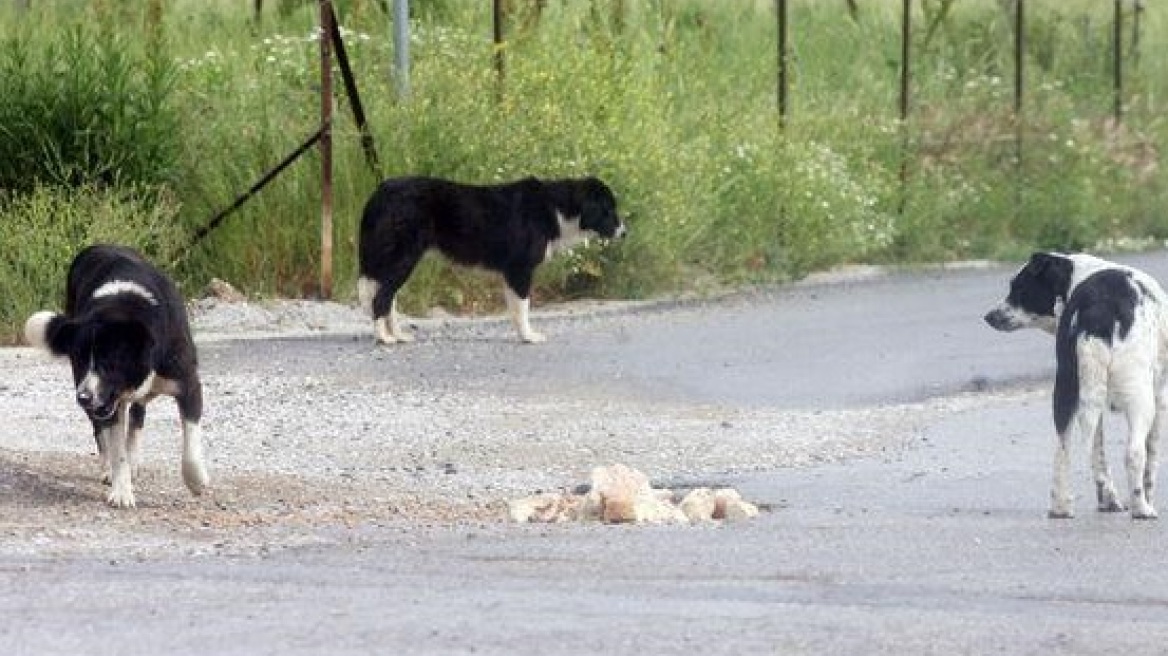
(1053, 270)
(51, 332)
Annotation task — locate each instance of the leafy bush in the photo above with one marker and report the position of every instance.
(673, 103)
(79, 105)
(47, 226)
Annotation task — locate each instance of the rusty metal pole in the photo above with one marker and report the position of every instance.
(326, 152)
(784, 60)
(905, 54)
(1019, 89)
(497, 19)
(1137, 14)
(905, 78)
(1117, 60)
(1019, 53)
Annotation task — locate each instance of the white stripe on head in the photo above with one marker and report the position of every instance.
(115, 287)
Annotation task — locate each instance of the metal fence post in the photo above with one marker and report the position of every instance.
(401, 47)
(1117, 60)
(326, 152)
(497, 15)
(1019, 90)
(784, 60)
(905, 77)
(905, 55)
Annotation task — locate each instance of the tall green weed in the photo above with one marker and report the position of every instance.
(673, 103)
(82, 105)
(44, 228)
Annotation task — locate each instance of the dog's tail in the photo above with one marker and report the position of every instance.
(40, 329)
(1066, 376)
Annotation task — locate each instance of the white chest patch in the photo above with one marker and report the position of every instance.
(570, 235)
(115, 287)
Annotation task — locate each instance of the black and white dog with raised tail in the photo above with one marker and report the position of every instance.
(507, 228)
(126, 334)
(1110, 323)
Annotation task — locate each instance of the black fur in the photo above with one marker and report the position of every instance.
(1038, 287)
(504, 228)
(127, 336)
(1102, 306)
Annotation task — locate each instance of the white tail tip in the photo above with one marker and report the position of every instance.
(36, 329)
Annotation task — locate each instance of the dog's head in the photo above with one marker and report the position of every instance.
(1037, 294)
(598, 209)
(110, 358)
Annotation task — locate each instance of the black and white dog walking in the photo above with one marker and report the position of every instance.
(126, 334)
(505, 228)
(1111, 350)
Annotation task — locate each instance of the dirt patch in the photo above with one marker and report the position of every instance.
(54, 503)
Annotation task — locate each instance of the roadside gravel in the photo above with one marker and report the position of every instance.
(303, 453)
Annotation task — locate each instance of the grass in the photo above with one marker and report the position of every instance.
(673, 104)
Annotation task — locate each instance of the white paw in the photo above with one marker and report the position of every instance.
(384, 335)
(121, 496)
(195, 477)
(1143, 510)
(532, 337)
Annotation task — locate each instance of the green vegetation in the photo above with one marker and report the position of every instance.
(105, 134)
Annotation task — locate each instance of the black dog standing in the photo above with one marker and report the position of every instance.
(508, 229)
(126, 334)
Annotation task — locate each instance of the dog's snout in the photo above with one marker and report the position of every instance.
(999, 320)
(621, 231)
(993, 318)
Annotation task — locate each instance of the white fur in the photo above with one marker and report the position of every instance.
(519, 309)
(1128, 376)
(115, 287)
(388, 329)
(36, 329)
(570, 235)
(121, 494)
(366, 289)
(194, 469)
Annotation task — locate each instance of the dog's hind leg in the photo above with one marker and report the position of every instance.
(1153, 455)
(100, 436)
(1061, 501)
(1105, 492)
(382, 305)
(517, 293)
(190, 410)
(133, 437)
(1141, 420)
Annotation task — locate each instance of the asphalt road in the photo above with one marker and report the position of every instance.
(940, 549)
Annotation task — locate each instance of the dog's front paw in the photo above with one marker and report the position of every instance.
(194, 475)
(532, 337)
(1143, 510)
(121, 496)
(386, 331)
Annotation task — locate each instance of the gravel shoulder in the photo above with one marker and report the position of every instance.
(303, 448)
